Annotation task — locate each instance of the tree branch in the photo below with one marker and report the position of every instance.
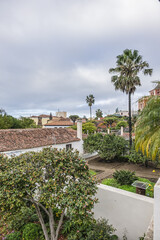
(41, 221)
(59, 224)
(39, 204)
(52, 224)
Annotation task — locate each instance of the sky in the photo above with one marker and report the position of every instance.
(54, 53)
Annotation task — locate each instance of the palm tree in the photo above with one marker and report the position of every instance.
(148, 129)
(90, 100)
(128, 65)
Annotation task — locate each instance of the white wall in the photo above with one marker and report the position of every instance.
(157, 210)
(129, 213)
(56, 126)
(78, 145)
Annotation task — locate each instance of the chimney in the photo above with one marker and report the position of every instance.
(79, 129)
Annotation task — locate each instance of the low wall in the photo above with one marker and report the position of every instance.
(128, 212)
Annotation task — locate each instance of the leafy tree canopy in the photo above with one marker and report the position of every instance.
(9, 122)
(48, 179)
(147, 134)
(74, 117)
(121, 124)
(88, 127)
(108, 147)
(99, 113)
(110, 120)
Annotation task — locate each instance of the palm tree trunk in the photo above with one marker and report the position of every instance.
(90, 113)
(130, 123)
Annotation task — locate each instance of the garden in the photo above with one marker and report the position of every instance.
(44, 197)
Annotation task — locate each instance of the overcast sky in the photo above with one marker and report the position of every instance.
(53, 53)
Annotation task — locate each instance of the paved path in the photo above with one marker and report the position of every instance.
(107, 169)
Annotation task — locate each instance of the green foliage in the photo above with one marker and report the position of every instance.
(93, 142)
(128, 65)
(121, 124)
(74, 127)
(94, 230)
(9, 122)
(113, 183)
(108, 147)
(147, 134)
(46, 179)
(13, 236)
(31, 231)
(88, 127)
(110, 120)
(112, 147)
(74, 118)
(90, 101)
(137, 157)
(99, 113)
(101, 230)
(93, 173)
(24, 216)
(124, 177)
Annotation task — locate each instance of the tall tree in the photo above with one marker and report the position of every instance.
(48, 179)
(74, 118)
(99, 113)
(148, 129)
(90, 101)
(128, 66)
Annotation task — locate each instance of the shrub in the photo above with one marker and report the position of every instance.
(95, 230)
(31, 231)
(108, 147)
(112, 147)
(14, 236)
(101, 230)
(136, 157)
(124, 177)
(24, 216)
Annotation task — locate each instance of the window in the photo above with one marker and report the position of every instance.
(68, 146)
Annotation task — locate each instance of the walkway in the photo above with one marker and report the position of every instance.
(107, 169)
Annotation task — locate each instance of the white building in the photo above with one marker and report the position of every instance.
(17, 141)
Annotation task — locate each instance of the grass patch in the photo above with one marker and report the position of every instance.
(92, 173)
(113, 183)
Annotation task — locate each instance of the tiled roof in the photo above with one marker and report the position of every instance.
(15, 139)
(42, 115)
(60, 122)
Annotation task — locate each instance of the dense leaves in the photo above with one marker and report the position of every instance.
(93, 230)
(108, 147)
(99, 113)
(9, 122)
(74, 118)
(88, 127)
(148, 130)
(48, 179)
(124, 177)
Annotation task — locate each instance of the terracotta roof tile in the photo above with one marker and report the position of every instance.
(14, 139)
(59, 122)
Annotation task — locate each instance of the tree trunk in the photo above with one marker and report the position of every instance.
(130, 123)
(52, 224)
(90, 113)
(59, 225)
(42, 222)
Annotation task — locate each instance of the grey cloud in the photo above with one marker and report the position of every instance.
(54, 53)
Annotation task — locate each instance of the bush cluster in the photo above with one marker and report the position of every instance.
(124, 177)
(94, 230)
